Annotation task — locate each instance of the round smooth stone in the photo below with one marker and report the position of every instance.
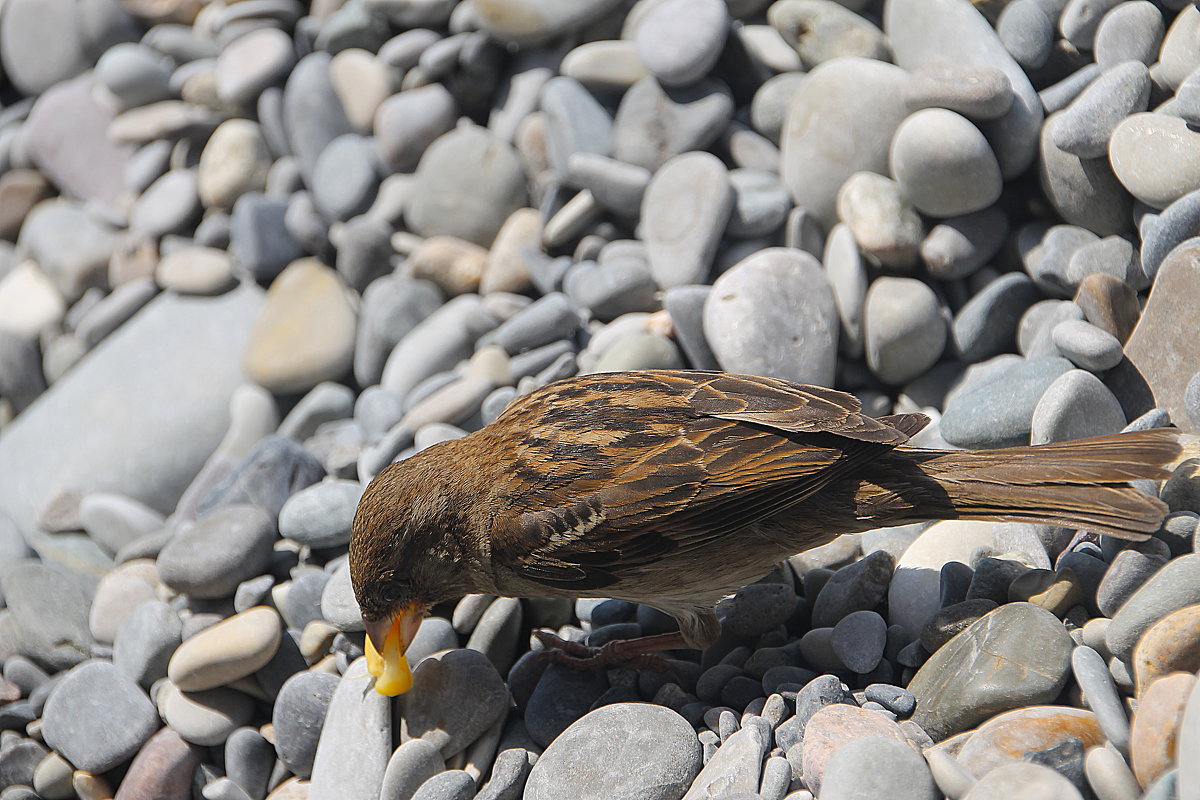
(224, 652)
(760, 204)
(997, 410)
(858, 640)
(768, 47)
(135, 74)
(456, 696)
(885, 224)
(1076, 405)
(1027, 33)
(1156, 157)
(617, 186)
(234, 161)
(847, 274)
(774, 314)
(604, 66)
(253, 62)
(771, 102)
(855, 587)
(145, 641)
(958, 246)
(259, 237)
(454, 784)
(684, 212)
(1173, 587)
(526, 22)
(1153, 739)
(1113, 257)
(903, 327)
(408, 122)
(944, 164)
(1007, 737)
(211, 557)
(467, 184)
(654, 123)
(28, 26)
(285, 355)
(321, 515)
(834, 727)
(975, 91)
(1091, 672)
(204, 718)
(97, 741)
(195, 270)
(345, 177)
(822, 31)
(298, 716)
(596, 756)
(1081, 18)
(866, 96)
(986, 325)
(1031, 781)
(876, 766)
(312, 114)
(1087, 346)
(1085, 192)
(169, 205)
(1086, 125)
(119, 593)
(1130, 32)
(114, 520)
(362, 82)
(679, 41)
(48, 615)
(1174, 226)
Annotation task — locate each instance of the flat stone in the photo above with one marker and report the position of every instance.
(195, 270)
(70, 245)
(355, 741)
(479, 698)
(413, 763)
(885, 224)
(321, 515)
(560, 697)
(204, 718)
(1022, 648)
(163, 769)
(1160, 380)
(467, 184)
(113, 520)
(735, 768)
(876, 766)
(98, 742)
(756, 609)
(981, 416)
(298, 717)
(821, 32)
(866, 96)
(1096, 682)
(48, 618)
(680, 41)
(855, 587)
(119, 593)
(603, 66)
(260, 239)
(1086, 125)
(986, 325)
(590, 758)
(1085, 192)
(1167, 646)
(233, 162)
(169, 205)
(1007, 738)
(224, 652)
(211, 557)
(654, 123)
(774, 314)
(145, 641)
(1027, 33)
(312, 113)
(1140, 149)
(253, 62)
(285, 356)
(977, 91)
(533, 21)
(858, 641)
(1029, 780)
(684, 212)
(408, 122)
(835, 726)
(1154, 735)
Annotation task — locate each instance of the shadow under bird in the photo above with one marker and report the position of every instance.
(676, 488)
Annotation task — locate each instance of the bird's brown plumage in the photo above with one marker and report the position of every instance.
(674, 488)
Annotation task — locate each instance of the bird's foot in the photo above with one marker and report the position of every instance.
(640, 653)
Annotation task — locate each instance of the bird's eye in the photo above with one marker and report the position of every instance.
(393, 591)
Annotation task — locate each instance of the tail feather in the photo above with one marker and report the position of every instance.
(1080, 484)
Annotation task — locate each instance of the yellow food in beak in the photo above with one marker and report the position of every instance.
(387, 663)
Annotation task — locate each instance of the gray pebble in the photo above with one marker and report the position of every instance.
(1081, 18)
(456, 696)
(679, 41)
(654, 123)
(684, 211)
(1075, 405)
(856, 587)
(259, 238)
(877, 766)
(312, 113)
(411, 765)
(249, 759)
(253, 62)
(320, 515)
(345, 177)
(211, 557)
(1087, 346)
(575, 123)
(1130, 32)
(884, 222)
(858, 640)
(355, 739)
(760, 203)
(1027, 33)
(981, 415)
(757, 608)
(325, 402)
(685, 304)
(48, 619)
(944, 164)
(98, 741)
(1057, 96)
(987, 324)
(548, 319)
(1178, 221)
(1084, 127)
(1091, 672)
(454, 784)
(615, 185)
(976, 91)
(895, 699)
(904, 329)
(408, 122)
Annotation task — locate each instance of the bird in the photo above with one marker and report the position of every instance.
(676, 488)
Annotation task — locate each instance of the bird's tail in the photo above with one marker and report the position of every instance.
(1082, 484)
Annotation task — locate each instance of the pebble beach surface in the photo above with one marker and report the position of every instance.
(252, 252)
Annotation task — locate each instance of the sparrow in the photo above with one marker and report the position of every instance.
(675, 488)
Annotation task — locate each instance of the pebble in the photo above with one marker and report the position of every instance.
(859, 586)
(479, 694)
(48, 616)
(757, 608)
(884, 222)
(1011, 736)
(321, 515)
(355, 740)
(195, 270)
(1084, 192)
(776, 290)
(1171, 588)
(686, 207)
(163, 768)
(986, 325)
(594, 757)
(735, 767)
(903, 329)
(653, 123)
(681, 54)
(976, 91)
(944, 164)
(298, 717)
(209, 558)
(877, 766)
(260, 240)
(1100, 693)
(823, 31)
(979, 415)
(253, 62)
(1074, 406)
(1029, 780)
(957, 247)
(1084, 128)
(816, 159)
(118, 594)
(1027, 33)
(97, 742)
(113, 520)
(229, 650)
(1167, 646)
(1154, 733)
(847, 275)
(858, 640)
(1153, 156)
(1022, 648)
(836, 726)
(454, 195)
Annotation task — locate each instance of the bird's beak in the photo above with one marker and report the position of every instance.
(387, 641)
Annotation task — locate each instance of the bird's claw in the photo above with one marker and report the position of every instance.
(618, 653)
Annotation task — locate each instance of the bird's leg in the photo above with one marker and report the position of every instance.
(639, 653)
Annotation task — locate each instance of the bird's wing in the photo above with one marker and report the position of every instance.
(611, 472)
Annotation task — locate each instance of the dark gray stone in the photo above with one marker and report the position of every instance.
(96, 741)
(209, 558)
(298, 715)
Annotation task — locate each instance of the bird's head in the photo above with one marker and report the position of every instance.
(407, 553)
